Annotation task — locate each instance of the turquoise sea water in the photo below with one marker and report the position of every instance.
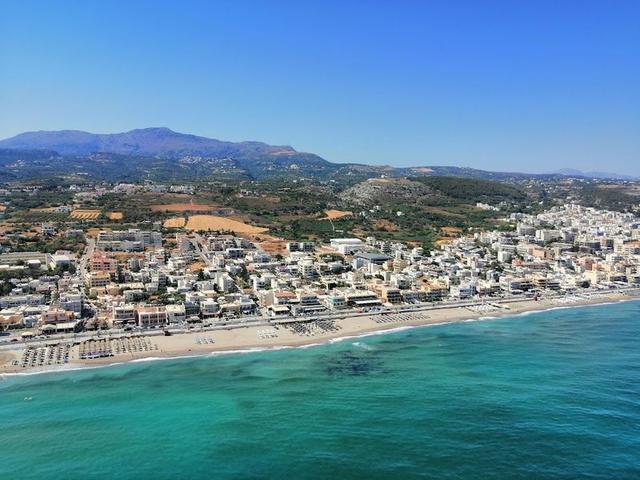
(547, 395)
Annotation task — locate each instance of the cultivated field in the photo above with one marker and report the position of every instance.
(85, 214)
(182, 207)
(177, 222)
(333, 214)
(41, 210)
(212, 222)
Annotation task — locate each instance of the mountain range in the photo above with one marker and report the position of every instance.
(160, 154)
(572, 172)
(161, 142)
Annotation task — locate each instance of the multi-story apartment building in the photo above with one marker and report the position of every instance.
(150, 316)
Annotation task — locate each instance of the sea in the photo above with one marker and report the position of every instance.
(548, 395)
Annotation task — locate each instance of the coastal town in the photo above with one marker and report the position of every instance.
(384, 240)
(127, 288)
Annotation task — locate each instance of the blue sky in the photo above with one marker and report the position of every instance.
(503, 85)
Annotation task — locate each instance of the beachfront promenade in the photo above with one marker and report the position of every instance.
(501, 303)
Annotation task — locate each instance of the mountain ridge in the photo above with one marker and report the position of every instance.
(574, 172)
(154, 141)
(159, 153)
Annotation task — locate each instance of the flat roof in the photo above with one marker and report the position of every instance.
(372, 256)
(367, 302)
(65, 325)
(279, 308)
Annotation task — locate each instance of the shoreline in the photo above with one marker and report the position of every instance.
(239, 340)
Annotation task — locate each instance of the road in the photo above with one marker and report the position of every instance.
(82, 269)
(201, 247)
(263, 320)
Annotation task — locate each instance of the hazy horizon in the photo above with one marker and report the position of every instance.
(498, 86)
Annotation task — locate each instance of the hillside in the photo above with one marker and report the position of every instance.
(473, 190)
(431, 191)
(385, 191)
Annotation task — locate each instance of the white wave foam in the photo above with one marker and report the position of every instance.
(362, 346)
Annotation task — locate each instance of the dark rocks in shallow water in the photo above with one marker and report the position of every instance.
(352, 364)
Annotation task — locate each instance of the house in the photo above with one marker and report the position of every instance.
(176, 313)
(72, 302)
(209, 308)
(48, 229)
(57, 315)
(103, 262)
(10, 301)
(98, 279)
(123, 314)
(300, 247)
(336, 301)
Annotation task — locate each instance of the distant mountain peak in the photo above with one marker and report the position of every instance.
(152, 141)
(153, 130)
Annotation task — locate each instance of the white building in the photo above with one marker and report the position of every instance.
(347, 246)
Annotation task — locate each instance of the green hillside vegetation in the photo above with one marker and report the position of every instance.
(607, 197)
(474, 190)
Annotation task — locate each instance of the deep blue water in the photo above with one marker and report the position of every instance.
(548, 395)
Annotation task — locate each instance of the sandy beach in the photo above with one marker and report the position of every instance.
(276, 335)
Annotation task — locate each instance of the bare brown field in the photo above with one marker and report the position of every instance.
(182, 207)
(444, 240)
(212, 222)
(451, 230)
(195, 266)
(273, 247)
(81, 214)
(114, 215)
(270, 244)
(333, 214)
(386, 225)
(176, 222)
(93, 232)
(124, 256)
